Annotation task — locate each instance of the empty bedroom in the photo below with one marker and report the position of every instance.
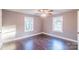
(39, 29)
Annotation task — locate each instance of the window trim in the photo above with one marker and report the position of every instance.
(25, 30)
(62, 24)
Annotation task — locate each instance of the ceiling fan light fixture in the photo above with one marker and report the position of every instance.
(45, 12)
(43, 15)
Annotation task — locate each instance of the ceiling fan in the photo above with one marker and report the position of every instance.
(45, 12)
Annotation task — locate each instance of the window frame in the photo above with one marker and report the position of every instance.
(25, 24)
(55, 24)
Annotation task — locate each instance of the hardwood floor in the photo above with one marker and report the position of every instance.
(40, 42)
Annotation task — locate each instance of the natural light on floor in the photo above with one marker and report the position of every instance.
(57, 45)
(11, 46)
(29, 45)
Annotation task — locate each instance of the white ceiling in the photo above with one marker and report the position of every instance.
(34, 11)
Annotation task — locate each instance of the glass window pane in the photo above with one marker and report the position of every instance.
(28, 24)
(58, 23)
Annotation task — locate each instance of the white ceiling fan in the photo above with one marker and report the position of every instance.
(45, 12)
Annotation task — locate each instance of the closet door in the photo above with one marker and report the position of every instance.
(0, 27)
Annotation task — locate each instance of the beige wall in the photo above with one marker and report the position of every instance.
(17, 19)
(0, 19)
(0, 27)
(69, 25)
(78, 22)
(42, 24)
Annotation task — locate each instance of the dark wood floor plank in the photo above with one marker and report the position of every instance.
(41, 42)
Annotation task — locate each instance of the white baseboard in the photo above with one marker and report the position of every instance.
(41, 33)
(28, 36)
(68, 39)
(19, 38)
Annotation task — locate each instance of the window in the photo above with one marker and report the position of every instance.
(58, 24)
(28, 24)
